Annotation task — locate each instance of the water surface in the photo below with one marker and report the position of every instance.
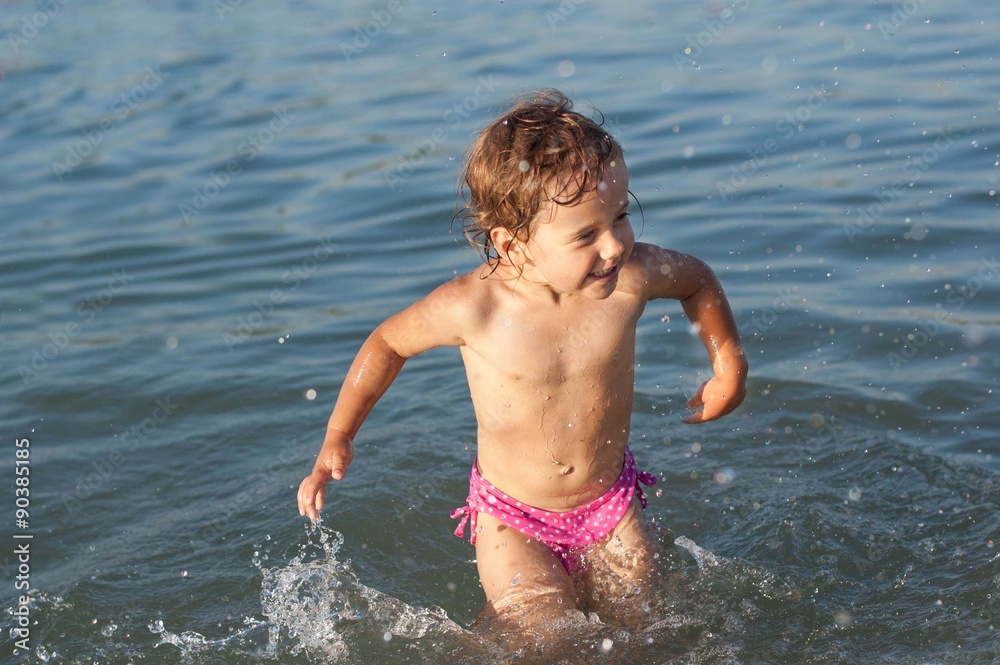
(206, 208)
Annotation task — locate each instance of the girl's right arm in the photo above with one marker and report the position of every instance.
(436, 320)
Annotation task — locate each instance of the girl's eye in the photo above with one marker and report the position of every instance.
(622, 217)
(587, 236)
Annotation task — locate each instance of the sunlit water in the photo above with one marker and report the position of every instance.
(205, 207)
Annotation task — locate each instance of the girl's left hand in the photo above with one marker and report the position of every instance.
(715, 398)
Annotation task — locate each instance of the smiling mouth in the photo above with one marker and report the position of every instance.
(604, 273)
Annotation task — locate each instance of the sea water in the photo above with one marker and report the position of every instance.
(206, 207)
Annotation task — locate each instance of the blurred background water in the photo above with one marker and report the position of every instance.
(206, 206)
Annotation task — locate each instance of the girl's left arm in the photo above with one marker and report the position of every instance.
(685, 278)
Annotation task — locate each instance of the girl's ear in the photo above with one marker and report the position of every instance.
(508, 247)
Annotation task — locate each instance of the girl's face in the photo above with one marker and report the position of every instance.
(580, 248)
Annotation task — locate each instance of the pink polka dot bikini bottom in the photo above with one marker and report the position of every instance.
(559, 531)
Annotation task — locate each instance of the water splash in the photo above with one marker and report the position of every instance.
(316, 605)
(704, 558)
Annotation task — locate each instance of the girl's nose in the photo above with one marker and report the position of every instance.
(612, 247)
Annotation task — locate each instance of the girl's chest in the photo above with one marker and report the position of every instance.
(583, 344)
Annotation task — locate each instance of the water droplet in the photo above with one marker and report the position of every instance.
(109, 630)
(665, 318)
(724, 477)
(607, 645)
(156, 627)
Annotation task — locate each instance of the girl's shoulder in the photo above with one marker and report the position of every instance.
(656, 272)
(466, 299)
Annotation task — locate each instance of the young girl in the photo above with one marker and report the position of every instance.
(547, 329)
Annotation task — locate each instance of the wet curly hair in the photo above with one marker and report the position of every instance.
(538, 151)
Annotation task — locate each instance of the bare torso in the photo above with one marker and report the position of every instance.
(552, 388)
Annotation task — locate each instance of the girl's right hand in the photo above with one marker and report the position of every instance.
(331, 464)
